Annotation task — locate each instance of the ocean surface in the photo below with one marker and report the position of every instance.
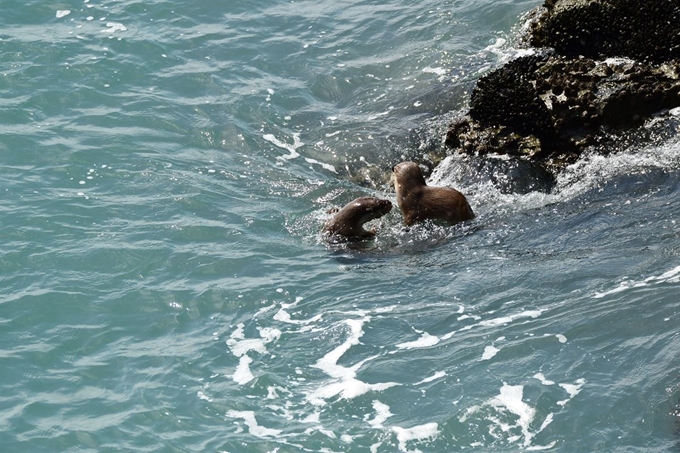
(166, 168)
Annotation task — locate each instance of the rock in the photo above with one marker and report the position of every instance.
(513, 89)
(551, 106)
(642, 30)
(554, 107)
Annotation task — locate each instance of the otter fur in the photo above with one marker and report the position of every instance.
(348, 222)
(419, 202)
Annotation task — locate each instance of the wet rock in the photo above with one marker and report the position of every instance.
(642, 30)
(552, 109)
(612, 64)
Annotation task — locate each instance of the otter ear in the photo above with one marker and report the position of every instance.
(393, 166)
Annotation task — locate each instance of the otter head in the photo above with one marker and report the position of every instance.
(407, 177)
(368, 208)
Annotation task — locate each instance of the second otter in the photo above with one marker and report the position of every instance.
(419, 202)
(348, 223)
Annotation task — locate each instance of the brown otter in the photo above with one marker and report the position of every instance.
(419, 202)
(348, 222)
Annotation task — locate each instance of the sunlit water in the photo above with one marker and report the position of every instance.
(166, 168)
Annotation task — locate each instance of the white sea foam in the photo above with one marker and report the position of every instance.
(263, 310)
(425, 341)
(283, 411)
(312, 418)
(548, 420)
(283, 316)
(344, 382)
(253, 427)
(489, 352)
(464, 317)
(238, 334)
(388, 309)
(542, 447)
(572, 390)
(507, 52)
(434, 377)
(421, 432)
(504, 320)
(273, 392)
(448, 335)
(328, 167)
(63, 13)
(672, 276)
(438, 71)
(243, 375)
(586, 174)
(510, 399)
(112, 27)
(346, 389)
(510, 403)
(508, 319)
(497, 47)
(378, 115)
(315, 419)
(382, 414)
(543, 380)
(290, 148)
(328, 363)
(269, 334)
(240, 346)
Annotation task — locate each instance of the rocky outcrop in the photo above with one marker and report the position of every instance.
(551, 108)
(642, 30)
(606, 67)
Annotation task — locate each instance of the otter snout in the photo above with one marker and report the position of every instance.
(384, 206)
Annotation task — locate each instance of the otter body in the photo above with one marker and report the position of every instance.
(348, 222)
(419, 202)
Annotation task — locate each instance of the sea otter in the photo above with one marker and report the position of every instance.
(419, 202)
(348, 222)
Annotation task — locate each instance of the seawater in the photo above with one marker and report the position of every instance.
(166, 168)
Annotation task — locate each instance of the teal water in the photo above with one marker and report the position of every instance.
(166, 168)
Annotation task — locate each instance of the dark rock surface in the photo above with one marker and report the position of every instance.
(643, 30)
(552, 108)
(607, 66)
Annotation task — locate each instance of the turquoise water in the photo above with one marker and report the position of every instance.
(166, 169)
